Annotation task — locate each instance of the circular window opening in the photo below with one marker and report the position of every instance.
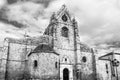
(84, 59)
(64, 18)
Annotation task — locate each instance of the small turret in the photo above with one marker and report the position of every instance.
(53, 18)
(75, 25)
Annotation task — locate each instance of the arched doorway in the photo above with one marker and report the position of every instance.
(65, 74)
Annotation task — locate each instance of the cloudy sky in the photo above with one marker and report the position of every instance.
(99, 20)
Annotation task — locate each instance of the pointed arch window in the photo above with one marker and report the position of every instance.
(64, 32)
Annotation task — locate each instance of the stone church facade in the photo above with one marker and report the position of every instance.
(58, 54)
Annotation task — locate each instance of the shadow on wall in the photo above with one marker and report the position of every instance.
(2, 75)
(87, 77)
(91, 77)
(27, 76)
(99, 76)
(44, 78)
(20, 76)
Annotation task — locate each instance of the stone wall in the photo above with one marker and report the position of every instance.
(101, 64)
(46, 67)
(86, 68)
(2, 62)
(14, 63)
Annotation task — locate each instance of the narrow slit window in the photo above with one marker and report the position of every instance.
(56, 64)
(65, 59)
(106, 68)
(35, 63)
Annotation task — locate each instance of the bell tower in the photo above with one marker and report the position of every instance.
(62, 28)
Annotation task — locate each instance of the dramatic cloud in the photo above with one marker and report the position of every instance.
(98, 19)
(2, 3)
(44, 2)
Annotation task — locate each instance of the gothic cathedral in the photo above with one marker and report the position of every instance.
(56, 55)
(64, 30)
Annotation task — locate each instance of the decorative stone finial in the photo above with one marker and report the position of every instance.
(73, 20)
(63, 6)
(53, 18)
